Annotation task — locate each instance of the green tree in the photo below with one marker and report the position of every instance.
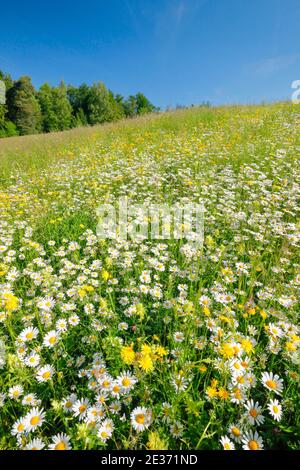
(130, 106)
(143, 105)
(100, 104)
(62, 107)
(78, 98)
(23, 106)
(55, 107)
(49, 121)
(138, 104)
(59, 108)
(116, 102)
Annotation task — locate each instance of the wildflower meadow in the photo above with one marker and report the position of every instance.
(142, 343)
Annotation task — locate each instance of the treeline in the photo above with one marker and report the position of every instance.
(49, 109)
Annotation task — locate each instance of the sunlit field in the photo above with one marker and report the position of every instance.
(113, 344)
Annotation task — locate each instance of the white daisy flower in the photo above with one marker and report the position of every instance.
(104, 434)
(35, 444)
(275, 409)
(141, 418)
(60, 442)
(127, 381)
(61, 325)
(254, 412)
(176, 429)
(19, 427)
(29, 334)
(74, 319)
(45, 373)
(34, 419)
(68, 402)
(80, 408)
(178, 336)
(51, 339)
(272, 382)
(32, 360)
(29, 400)
(252, 441)
(46, 304)
(227, 443)
(15, 392)
(235, 432)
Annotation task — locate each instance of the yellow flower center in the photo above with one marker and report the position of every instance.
(140, 418)
(46, 375)
(275, 409)
(105, 384)
(126, 382)
(116, 388)
(271, 384)
(227, 446)
(253, 445)
(29, 335)
(235, 431)
(253, 413)
(52, 340)
(20, 427)
(35, 420)
(60, 446)
(104, 434)
(82, 408)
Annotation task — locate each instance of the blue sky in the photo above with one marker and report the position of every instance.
(175, 51)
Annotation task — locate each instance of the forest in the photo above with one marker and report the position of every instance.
(57, 108)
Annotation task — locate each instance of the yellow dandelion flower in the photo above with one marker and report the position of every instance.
(161, 351)
(223, 394)
(227, 350)
(291, 347)
(146, 363)
(127, 354)
(211, 392)
(105, 275)
(11, 302)
(247, 346)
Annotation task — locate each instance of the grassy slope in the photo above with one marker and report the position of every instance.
(56, 181)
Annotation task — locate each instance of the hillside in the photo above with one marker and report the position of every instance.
(149, 343)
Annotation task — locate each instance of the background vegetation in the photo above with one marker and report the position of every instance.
(50, 109)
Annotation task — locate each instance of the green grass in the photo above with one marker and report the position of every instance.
(242, 162)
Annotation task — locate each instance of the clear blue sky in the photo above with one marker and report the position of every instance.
(175, 51)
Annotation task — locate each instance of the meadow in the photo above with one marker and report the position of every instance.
(113, 344)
